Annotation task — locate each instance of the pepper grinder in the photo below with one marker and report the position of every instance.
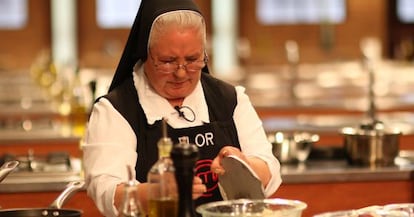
(184, 156)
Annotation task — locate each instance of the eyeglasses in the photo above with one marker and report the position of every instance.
(168, 67)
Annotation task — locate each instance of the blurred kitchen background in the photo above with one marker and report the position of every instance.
(296, 58)
(308, 66)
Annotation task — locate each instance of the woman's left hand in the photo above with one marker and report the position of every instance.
(216, 166)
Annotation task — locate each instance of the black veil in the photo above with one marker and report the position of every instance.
(136, 45)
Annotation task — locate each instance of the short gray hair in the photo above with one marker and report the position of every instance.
(182, 18)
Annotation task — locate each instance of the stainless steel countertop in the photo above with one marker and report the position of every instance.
(325, 171)
(316, 171)
(37, 182)
(25, 181)
(11, 137)
(340, 84)
(42, 130)
(329, 123)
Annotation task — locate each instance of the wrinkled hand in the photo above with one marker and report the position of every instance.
(198, 187)
(216, 166)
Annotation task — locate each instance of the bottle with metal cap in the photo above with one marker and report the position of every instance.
(162, 190)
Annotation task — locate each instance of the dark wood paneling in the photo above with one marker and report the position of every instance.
(324, 197)
(399, 33)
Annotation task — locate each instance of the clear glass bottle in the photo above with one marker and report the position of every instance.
(162, 190)
(130, 205)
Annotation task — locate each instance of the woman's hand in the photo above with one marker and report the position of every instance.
(216, 166)
(198, 187)
(257, 164)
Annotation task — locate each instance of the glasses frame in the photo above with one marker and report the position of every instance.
(178, 66)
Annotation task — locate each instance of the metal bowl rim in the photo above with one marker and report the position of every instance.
(399, 205)
(298, 205)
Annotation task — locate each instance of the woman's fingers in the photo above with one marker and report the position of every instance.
(198, 187)
(224, 152)
(216, 165)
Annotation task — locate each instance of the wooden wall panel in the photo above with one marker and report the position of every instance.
(364, 18)
(18, 48)
(102, 48)
(98, 48)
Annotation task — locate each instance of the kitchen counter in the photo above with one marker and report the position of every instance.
(314, 171)
(339, 85)
(38, 182)
(44, 136)
(42, 181)
(328, 126)
(41, 189)
(333, 185)
(325, 185)
(40, 140)
(333, 123)
(327, 171)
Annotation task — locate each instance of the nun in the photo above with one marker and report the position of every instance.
(163, 74)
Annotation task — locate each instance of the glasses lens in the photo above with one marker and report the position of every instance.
(167, 68)
(195, 66)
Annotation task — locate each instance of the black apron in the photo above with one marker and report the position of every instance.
(209, 138)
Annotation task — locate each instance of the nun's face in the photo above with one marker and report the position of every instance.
(174, 63)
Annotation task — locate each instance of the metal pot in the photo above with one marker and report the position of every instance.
(275, 207)
(371, 144)
(53, 210)
(292, 147)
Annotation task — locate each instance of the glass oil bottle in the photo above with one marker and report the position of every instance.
(162, 190)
